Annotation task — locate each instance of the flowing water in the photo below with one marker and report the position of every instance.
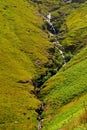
(48, 19)
(60, 47)
(53, 30)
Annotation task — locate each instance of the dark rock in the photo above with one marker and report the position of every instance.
(24, 82)
(24, 113)
(28, 118)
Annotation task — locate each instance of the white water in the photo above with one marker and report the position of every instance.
(40, 125)
(48, 19)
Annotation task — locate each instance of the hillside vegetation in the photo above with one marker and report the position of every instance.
(28, 57)
(23, 51)
(65, 93)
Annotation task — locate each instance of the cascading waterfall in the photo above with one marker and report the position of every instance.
(60, 47)
(48, 19)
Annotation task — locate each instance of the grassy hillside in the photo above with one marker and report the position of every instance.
(69, 21)
(46, 5)
(76, 36)
(24, 48)
(23, 51)
(65, 93)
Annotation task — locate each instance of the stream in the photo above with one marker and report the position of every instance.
(53, 30)
(60, 47)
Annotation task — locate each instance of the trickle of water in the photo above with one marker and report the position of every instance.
(42, 107)
(48, 19)
(40, 119)
(40, 125)
(61, 52)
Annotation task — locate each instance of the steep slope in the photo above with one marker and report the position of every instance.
(76, 36)
(65, 94)
(25, 62)
(23, 51)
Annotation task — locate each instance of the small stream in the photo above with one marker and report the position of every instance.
(40, 119)
(53, 30)
(60, 47)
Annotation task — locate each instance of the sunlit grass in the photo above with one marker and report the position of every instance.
(22, 43)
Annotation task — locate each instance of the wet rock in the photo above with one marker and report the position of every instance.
(24, 113)
(28, 118)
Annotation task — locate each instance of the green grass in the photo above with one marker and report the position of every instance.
(77, 29)
(23, 51)
(66, 115)
(65, 93)
(63, 89)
